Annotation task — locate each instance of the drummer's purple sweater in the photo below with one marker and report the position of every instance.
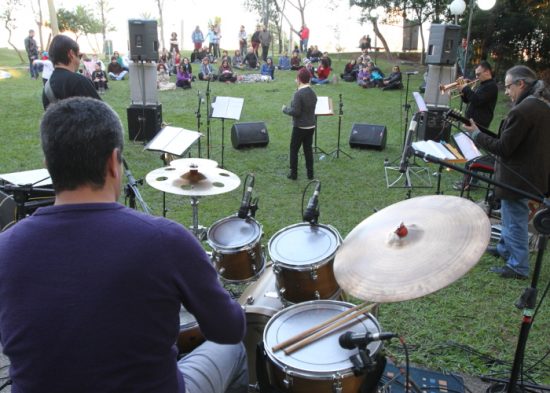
(90, 298)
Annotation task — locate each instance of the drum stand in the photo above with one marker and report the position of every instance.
(198, 230)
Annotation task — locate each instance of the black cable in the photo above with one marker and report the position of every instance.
(7, 383)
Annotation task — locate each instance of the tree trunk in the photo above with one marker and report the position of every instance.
(23, 61)
(39, 23)
(53, 17)
(161, 23)
(422, 39)
(103, 24)
(382, 39)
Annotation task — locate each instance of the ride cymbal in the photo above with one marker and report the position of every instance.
(193, 182)
(186, 163)
(412, 248)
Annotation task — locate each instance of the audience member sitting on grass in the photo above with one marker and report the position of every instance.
(184, 75)
(122, 60)
(350, 71)
(115, 70)
(268, 68)
(363, 76)
(237, 60)
(325, 56)
(225, 73)
(163, 78)
(251, 59)
(99, 79)
(308, 65)
(393, 81)
(225, 56)
(206, 72)
(376, 75)
(295, 62)
(323, 73)
(284, 62)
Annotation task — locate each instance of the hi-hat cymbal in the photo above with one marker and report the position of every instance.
(193, 181)
(186, 163)
(442, 238)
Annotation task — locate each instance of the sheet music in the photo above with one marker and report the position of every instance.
(173, 140)
(467, 146)
(36, 177)
(227, 108)
(433, 148)
(324, 106)
(420, 103)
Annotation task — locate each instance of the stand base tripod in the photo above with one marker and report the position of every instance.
(421, 175)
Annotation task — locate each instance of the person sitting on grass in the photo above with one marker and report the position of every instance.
(251, 59)
(184, 76)
(350, 71)
(237, 60)
(206, 72)
(284, 62)
(99, 78)
(323, 72)
(163, 78)
(225, 73)
(393, 81)
(363, 76)
(115, 70)
(268, 68)
(295, 62)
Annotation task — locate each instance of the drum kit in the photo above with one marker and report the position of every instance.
(405, 251)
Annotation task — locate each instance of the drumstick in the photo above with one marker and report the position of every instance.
(326, 330)
(322, 325)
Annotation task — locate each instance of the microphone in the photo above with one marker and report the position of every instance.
(408, 140)
(311, 213)
(245, 203)
(412, 73)
(350, 340)
(131, 179)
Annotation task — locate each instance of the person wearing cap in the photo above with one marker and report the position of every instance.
(302, 110)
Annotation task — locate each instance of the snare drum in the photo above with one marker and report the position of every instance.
(190, 336)
(237, 251)
(303, 255)
(260, 302)
(322, 366)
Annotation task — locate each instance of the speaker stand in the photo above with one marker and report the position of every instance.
(336, 153)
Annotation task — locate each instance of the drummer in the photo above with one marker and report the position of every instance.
(90, 291)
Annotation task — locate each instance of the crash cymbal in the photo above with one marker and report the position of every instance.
(442, 237)
(193, 181)
(185, 163)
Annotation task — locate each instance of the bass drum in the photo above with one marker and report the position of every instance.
(260, 301)
(322, 366)
(190, 336)
(8, 211)
(303, 256)
(236, 248)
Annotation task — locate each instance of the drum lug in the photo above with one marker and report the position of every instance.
(337, 385)
(287, 381)
(276, 269)
(221, 271)
(313, 274)
(215, 257)
(250, 299)
(282, 291)
(317, 295)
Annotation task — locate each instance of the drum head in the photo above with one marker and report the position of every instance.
(233, 233)
(324, 355)
(304, 244)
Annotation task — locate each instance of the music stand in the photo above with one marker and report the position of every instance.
(336, 152)
(172, 140)
(323, 107)
(226, 108)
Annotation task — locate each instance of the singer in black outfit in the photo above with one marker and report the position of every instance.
(302, 110)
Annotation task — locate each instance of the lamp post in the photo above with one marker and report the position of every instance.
(457, 7)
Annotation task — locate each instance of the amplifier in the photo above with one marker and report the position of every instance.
(144, 121)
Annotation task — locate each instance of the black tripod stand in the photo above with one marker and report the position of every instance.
(337, 151)
(198, 116)
(208, 113)
(132, 192)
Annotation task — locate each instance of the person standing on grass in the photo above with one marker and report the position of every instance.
(32, 53)
(65, 82)
(302, 110)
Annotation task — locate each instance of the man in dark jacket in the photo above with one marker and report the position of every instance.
(302, 110)
(522, 162)
(32, 53)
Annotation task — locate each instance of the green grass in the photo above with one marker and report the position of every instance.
(476, 311)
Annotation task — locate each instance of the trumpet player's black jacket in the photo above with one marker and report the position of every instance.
(481, 102)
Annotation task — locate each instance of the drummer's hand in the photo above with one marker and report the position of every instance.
(472, 127)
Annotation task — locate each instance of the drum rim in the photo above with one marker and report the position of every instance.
(328, 375)
(235, 249)
(305, 267)
(8, 203)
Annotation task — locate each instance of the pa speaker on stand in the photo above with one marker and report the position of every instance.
(144, 43)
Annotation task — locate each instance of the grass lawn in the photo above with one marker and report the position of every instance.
(447, 330)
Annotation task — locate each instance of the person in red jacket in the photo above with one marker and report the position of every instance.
(323, 72)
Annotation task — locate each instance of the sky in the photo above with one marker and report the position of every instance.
(330, 26)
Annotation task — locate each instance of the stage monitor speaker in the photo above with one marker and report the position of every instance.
(432, 126)
(368, 136)
(144, 42)
(443, 44)
(249, 135)
(143, 83)
(144, 121)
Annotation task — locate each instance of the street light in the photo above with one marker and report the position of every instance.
(457, 7)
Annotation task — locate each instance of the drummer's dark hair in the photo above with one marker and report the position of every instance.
(78, 136)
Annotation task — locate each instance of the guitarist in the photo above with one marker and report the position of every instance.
(481, 103)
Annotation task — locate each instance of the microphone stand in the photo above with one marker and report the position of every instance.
(198, 116)
(340, 114)
(208, 118)
(528, 299)
(132, 192)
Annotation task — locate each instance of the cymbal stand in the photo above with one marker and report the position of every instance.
(527, 301)
(208, 114)
(198, 230)
(336, 153)
(198, 116)
(132, 192)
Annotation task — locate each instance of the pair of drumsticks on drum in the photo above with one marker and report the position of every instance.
(339, 321)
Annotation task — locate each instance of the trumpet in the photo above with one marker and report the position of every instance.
(451, 87)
